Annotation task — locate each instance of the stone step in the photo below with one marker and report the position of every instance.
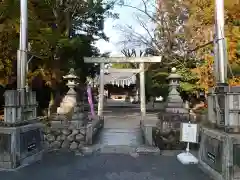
(148, 150)
(119, 149)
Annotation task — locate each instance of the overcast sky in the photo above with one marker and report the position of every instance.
(126, 17)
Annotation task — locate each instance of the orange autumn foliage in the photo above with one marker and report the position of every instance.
(205, 73)
(200, 29)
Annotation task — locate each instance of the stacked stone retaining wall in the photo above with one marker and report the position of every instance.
(64, 137)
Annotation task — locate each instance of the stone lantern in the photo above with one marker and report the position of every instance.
(71, 82)
(174, 101)
(71, 99)
(172, 116)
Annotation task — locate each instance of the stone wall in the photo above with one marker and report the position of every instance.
(72, 136)
(66, 137)
(166, 134)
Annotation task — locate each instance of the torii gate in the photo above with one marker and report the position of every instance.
(103, 60)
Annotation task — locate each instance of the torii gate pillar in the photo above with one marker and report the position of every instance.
(101, 90)
(142, 89)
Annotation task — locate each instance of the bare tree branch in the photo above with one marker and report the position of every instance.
(133, 37)
(145, 11)
(166, 39)
(201, 46)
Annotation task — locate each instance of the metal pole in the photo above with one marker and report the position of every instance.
(221, 58)
(142, 89)
(22, 52)
(220, 42)
(101, 90)
(216, 63)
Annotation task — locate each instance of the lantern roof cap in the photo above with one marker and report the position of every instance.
(174, 75)
(71, 75)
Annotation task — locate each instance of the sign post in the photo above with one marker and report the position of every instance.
(188, 134)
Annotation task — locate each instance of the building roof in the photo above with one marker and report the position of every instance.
(118, 78)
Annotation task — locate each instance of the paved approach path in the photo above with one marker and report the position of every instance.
(120, 130)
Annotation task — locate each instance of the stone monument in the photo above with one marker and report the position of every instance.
(21, 139)
(220, 138)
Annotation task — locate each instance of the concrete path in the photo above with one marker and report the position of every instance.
(121, 127)
(125, 137)
(122, 124)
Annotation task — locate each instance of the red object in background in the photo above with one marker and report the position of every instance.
(90, 101)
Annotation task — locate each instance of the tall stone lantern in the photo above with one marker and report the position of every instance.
(174, 101)
(72, 98)
(173, 115)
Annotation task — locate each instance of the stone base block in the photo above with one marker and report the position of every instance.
(219, 154)
(93, 129)
(20, 146)
(147, 134)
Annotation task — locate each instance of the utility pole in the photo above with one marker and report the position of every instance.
(22, 54)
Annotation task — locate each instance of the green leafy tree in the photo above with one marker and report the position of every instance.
(60, 34)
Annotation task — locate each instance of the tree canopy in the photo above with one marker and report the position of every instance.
(201, 33)
(183, 36)
(60, 34)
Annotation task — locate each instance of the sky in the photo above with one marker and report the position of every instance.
(126, 17)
